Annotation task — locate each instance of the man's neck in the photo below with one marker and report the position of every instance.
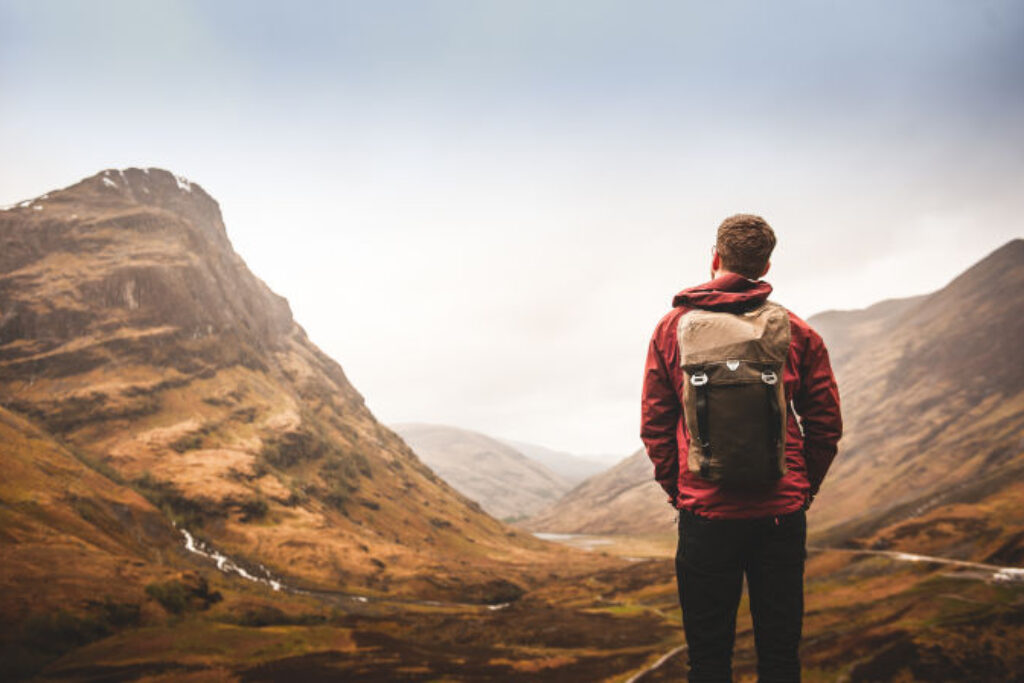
(715, 274)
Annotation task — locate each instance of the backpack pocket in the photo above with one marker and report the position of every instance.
(735, 412)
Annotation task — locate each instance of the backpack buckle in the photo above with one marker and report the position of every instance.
(769, 377)
(699, 378)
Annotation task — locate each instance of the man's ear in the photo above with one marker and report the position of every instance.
(716, 261)
(767, 267)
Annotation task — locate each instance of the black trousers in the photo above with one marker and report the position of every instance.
(712, 558)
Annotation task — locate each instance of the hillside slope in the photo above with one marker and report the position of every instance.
(132, 331)
(622, 500)
(97, 586)
(66, 529)
(502, 480)
(934, 406)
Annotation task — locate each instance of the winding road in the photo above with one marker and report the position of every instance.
(998, 572)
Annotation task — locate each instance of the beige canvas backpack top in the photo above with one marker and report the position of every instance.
(733, 397)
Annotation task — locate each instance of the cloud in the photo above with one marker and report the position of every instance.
(482, 209)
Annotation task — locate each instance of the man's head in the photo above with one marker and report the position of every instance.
(744, 246)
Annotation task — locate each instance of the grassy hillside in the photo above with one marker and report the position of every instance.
(133, 332)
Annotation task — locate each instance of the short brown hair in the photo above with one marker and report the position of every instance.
(745, 243)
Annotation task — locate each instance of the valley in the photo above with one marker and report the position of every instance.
(193, 490)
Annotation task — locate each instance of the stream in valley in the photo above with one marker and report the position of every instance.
(260, 574)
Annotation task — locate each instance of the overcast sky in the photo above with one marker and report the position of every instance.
(481, 209)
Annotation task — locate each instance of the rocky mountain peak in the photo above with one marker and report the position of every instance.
(124, 189)
(127, 249)
(153, 186)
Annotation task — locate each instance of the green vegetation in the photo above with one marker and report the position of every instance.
(177, 597)
(625, 609)
(189, 442)
(187, 512)
(194, 440)
(43, 638)
(299, 494)
(292, 448)
(341, 476)
(254, 509)
(268, 615)
(439, 523)
(340, 470)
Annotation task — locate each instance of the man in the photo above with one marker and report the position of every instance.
(756, 527)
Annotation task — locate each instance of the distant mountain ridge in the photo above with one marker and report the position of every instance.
(846, 331)
(572, 468)
(506, 483)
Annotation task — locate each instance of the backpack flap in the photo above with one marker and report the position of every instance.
(734, 399)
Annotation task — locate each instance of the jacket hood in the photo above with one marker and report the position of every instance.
(728, 291)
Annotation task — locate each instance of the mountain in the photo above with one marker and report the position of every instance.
(932, 458)
(132, 334)
(622, 500)
(153, 391)
(933, 399)
(846, 332)
(571, 468)
(505, 483)
(192, 490)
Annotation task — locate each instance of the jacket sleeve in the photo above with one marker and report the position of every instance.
(817, 404)
(660, 411)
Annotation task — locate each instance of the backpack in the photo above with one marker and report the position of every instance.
(734, 401)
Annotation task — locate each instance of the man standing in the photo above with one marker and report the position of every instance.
(741, 420)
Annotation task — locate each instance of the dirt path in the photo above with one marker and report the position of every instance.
(998, 572)
(661, 660)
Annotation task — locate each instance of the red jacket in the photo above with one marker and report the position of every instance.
(810, 391)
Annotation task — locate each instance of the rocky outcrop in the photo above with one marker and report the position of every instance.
(125, 251)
